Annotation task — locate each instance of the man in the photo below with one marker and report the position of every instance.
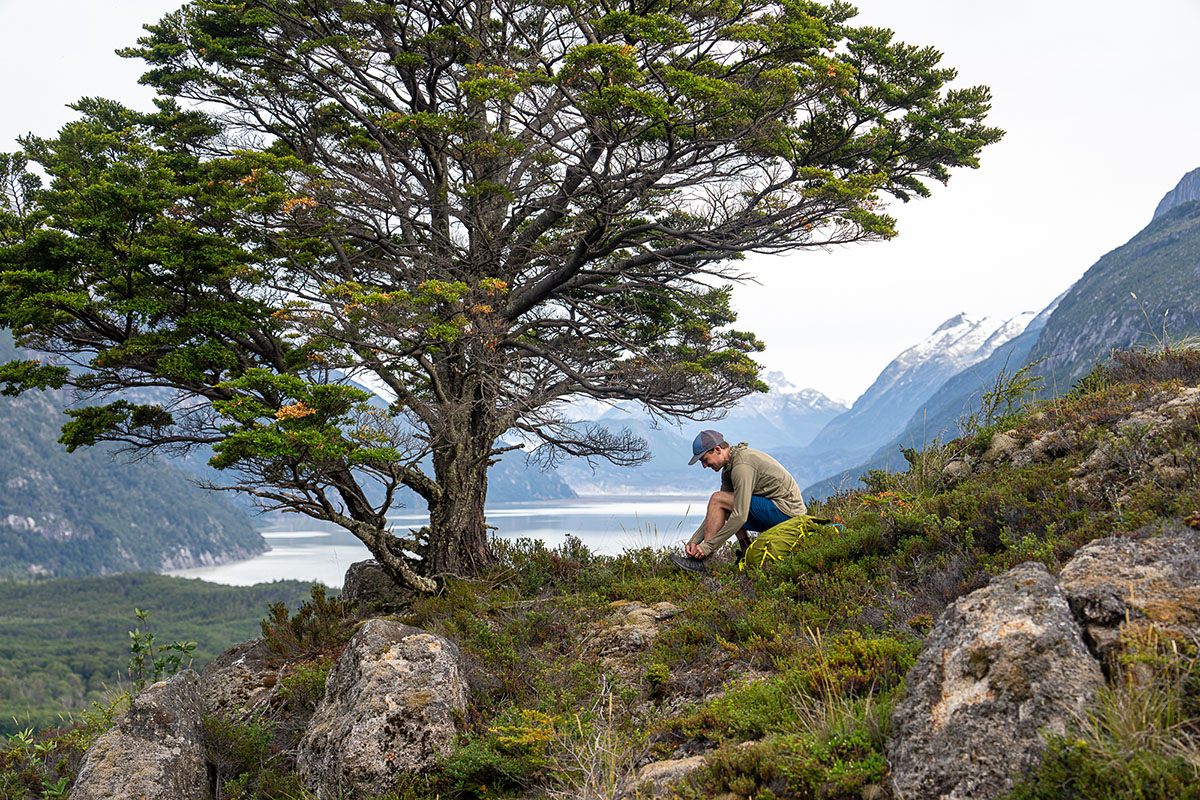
(756, 493)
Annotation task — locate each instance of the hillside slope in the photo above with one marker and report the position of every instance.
(1161, 266)
(92, 512)
(589, 676)
(1144, 293)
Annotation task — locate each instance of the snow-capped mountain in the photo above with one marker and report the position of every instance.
(940, 415)
(786, 418)
(908, 381)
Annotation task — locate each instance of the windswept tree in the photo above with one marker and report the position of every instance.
(474, 208)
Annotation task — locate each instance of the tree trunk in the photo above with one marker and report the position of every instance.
(458, 542)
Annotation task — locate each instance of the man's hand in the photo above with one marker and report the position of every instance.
(694, 551)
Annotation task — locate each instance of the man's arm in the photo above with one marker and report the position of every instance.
(742, 482)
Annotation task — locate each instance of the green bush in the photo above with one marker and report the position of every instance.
(303, 685)
(245, 763)
(1073, 770)
(508, 757)
(45, 764)
(319, 625)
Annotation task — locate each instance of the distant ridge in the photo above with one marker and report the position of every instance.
(1161, 266)
(782, 421)
(938, 417)
(1144, 293)
(93, 512)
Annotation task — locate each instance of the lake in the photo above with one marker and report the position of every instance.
(304, 550)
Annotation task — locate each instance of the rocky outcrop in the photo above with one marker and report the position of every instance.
(1121, 589)
(656, 779)
(1000, 666)
(154, 753)
(390, 705)
(1135, 449)
(1186, 191)
(631, 626)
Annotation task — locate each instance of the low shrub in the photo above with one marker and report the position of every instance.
(321, 625)
(303, 685)
(45, 764)
(246, 765)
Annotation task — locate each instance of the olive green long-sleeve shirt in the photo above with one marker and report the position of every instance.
(750, 472)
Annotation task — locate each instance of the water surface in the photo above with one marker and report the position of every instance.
(302, 549)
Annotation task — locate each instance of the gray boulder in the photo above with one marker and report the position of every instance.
(1000, 665)
(390, 704)
(370, 588)
(1121, 587)
(239, 681)
(155, 752)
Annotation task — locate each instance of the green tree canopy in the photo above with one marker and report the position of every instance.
(477, 209)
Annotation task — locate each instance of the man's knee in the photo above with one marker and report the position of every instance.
(721, 500)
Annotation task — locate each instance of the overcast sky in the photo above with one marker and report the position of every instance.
(1098, 99)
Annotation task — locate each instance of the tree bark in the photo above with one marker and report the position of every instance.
(458, 540)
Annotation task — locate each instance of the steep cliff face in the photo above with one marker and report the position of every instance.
(1186, 191)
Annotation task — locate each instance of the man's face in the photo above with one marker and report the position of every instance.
(715, 459)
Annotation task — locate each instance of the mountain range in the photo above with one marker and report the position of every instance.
(1145, 293)
(94, 512)
(787, 416)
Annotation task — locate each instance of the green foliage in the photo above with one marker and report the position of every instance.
(245, 764)
(64, 643)
(1141, 739)
(1007, 398)
(320, 625)
(1141, 366)
(303, 684)
(45, 764)
(146, 665)
(509, 756)
(833, 672)
(841, 757)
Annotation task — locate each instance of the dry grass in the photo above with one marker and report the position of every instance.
(593, 761)
(1147, 710)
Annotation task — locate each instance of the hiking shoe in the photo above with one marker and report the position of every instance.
(688, 563)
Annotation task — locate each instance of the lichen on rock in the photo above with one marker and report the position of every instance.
(1120, 588)
(390, 706)
(1000, 666)
(155, 752)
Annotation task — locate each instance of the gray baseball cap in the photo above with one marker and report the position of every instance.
(705, 441)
